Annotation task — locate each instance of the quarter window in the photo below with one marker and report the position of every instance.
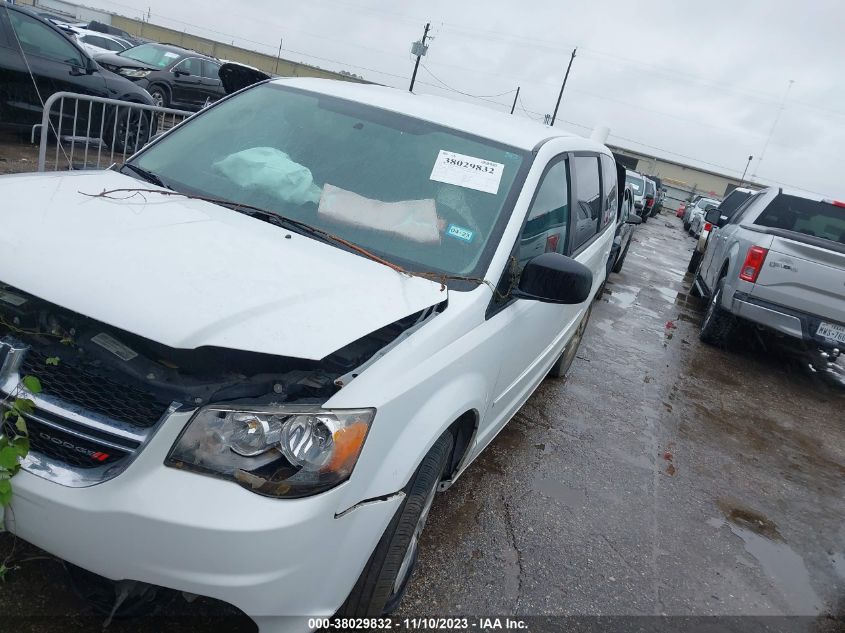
(588, 205)
(545, 228)
(210, 70)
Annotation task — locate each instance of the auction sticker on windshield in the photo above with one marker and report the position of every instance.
(466, 171)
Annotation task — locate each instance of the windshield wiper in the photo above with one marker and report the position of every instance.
(149, 176)
(303, 228)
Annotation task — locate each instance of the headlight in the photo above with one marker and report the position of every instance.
(136, 73)
(275, 451)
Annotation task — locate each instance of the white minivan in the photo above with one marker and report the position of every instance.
(271, 336)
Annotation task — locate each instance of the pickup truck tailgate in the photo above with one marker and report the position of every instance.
(803, 277)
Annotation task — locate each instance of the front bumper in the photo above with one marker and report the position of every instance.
(794, 323)
(193, 533)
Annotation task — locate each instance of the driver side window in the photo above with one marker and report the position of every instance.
(545, 229)
(39, 39)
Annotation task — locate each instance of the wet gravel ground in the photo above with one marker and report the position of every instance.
(662, 477)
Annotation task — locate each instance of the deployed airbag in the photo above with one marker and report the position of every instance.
(272, 172)
(415, 220)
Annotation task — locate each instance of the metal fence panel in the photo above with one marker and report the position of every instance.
(82, 125)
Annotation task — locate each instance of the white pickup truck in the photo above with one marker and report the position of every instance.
(778, 262)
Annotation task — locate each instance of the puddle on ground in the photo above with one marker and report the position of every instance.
(667, 294)
(623, 298)
(572, 497)
(750, 520)
(779, 562)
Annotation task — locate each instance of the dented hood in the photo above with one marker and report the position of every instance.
(187, 273)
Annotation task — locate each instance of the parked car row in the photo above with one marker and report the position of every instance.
(648, 194)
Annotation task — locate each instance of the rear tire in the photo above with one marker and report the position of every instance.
(382, 584)
(617, 267)
(563, 364)
(718, 324)
(694, 261)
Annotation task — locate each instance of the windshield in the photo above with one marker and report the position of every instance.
(151, 55)
(636, 184)
(415, 193)
(818, 219)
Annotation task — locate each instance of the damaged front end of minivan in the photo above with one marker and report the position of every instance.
(254, 418)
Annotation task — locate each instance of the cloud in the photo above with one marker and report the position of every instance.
(703, 80)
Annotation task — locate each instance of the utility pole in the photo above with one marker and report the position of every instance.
(513, 107)
(745, 171)
(281, 40)
(565, 77)
(419, 49)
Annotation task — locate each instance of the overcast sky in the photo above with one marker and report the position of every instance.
(700, 82)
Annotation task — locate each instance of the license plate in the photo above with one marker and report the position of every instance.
(832, 331)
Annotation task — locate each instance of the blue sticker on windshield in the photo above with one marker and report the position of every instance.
(459, 232)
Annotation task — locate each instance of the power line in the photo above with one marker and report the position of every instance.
(448, 87)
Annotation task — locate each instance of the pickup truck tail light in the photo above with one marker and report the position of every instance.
(708, 227)
(753, 263)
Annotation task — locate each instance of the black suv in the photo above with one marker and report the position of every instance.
(31, 44)
(174, 76)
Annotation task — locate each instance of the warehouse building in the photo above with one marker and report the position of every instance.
(681, 181)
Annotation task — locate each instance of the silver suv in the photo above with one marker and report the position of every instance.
(778, 262)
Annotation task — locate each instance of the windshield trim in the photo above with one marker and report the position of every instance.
(493, 242)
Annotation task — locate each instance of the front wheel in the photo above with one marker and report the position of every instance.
(383, 582)
(563, 364)
(127, 129)
(160, 96)
(617, 267)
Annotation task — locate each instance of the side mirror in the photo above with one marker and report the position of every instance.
(555, 278)
(178, 72)
(712, 216)
(634, 219)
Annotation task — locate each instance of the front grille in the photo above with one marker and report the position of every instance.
(93, 391)
(67, 447)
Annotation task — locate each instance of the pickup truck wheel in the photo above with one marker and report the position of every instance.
(718, 323)
(694, 261)
(383, 582)
(617, 267)
(563, 364)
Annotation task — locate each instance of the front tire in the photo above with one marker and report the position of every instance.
(718, 324)
(563, 364)
(161, 97)
(383, 582)
(617, 267)
(127, 132)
